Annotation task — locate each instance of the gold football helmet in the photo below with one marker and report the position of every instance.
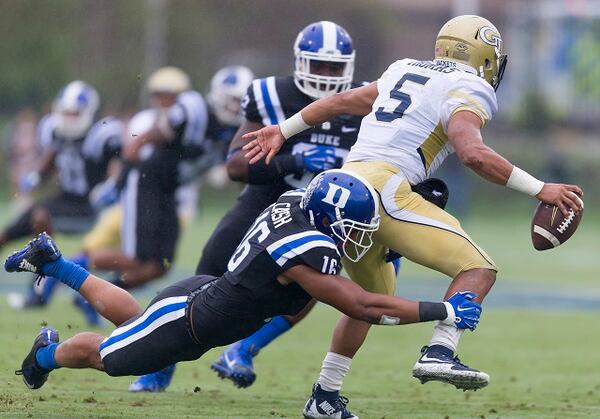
(474, 41)
(168, 80)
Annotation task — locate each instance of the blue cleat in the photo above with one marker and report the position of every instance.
(32, 257)
(438, 363)
(326, 404)
(155, 382)
(35, 376)
(236, 365)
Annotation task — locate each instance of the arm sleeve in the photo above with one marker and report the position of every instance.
(45, 133)
(471, 94)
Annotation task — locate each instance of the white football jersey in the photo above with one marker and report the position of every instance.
(409, 120)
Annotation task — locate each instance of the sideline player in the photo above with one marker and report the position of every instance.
(289, 255)
(324, 65)
(417, 113)
(80, 150)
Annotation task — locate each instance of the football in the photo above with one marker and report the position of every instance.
(549, 229)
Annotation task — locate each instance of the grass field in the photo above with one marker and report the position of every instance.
(543, 360)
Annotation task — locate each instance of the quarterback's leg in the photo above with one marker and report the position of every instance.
(431, 237)
(374, 274)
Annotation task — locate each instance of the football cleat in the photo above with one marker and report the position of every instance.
(155, 382)
(438, 363)
(236, 365)
(33, 256)
(326, 405)
(35, 376)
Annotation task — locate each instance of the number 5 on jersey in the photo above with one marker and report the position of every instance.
(404, 98)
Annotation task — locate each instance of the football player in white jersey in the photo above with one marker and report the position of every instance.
(416, 114)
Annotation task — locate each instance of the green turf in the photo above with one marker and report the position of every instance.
(541, 364)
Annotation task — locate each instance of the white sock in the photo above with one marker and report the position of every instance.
(446, 335)
(334, 369)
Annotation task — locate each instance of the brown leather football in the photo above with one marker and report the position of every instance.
(549, 229)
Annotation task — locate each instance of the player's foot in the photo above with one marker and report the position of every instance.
(155, 382)
(35, 376)
(326, 404)
(236, 365)
(33, 256)
(90, 314)
(438, 363)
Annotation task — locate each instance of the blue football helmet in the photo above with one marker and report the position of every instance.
(323, 42)
(227, 88)
(74, 109)
(345, 207)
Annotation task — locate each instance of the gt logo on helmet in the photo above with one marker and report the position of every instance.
(336, 199)
(489, 36)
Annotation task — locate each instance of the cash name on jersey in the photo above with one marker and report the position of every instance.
(280, 214)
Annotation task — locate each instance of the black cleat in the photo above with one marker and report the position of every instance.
(35, 376)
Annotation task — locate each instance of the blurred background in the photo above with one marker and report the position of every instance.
(547, 124)
(549, 99)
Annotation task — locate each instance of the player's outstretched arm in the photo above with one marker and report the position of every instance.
(267, 141)
(355, 302)
(464, 133)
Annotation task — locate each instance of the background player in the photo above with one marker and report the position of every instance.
(417, 113)
(150, 226)
(79, 149)
(324, 65)
(290, 253)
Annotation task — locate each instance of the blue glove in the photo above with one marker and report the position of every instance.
(466, 312)
(319, 158)
(104, 194)
(29, 181)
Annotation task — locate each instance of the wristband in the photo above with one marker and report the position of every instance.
(451, 316)
(522, 181)
(293, 126)
(389, 320)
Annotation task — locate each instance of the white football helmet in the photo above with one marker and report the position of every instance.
(74, 109)
(227, 88)
(318, 43)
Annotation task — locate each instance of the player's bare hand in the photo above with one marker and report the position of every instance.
(565, 197)
(264, 142)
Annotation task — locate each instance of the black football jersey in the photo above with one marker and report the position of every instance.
(163, 165)
(281, 238)
(272, 100)
(248, 294)
(81, 164)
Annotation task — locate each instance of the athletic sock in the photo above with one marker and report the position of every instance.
(446, 335)
(82, 259)
(45, 357)
(266, 334)
(66, 272)
(334, 369)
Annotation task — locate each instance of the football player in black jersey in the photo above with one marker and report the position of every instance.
(150, 227)
(290, 254)
(324, 65)
(79, 149)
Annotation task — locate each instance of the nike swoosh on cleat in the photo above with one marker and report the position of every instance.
(425, 358)
(346, 129)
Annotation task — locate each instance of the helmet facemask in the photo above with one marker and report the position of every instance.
(354, 238)
(318, 86)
